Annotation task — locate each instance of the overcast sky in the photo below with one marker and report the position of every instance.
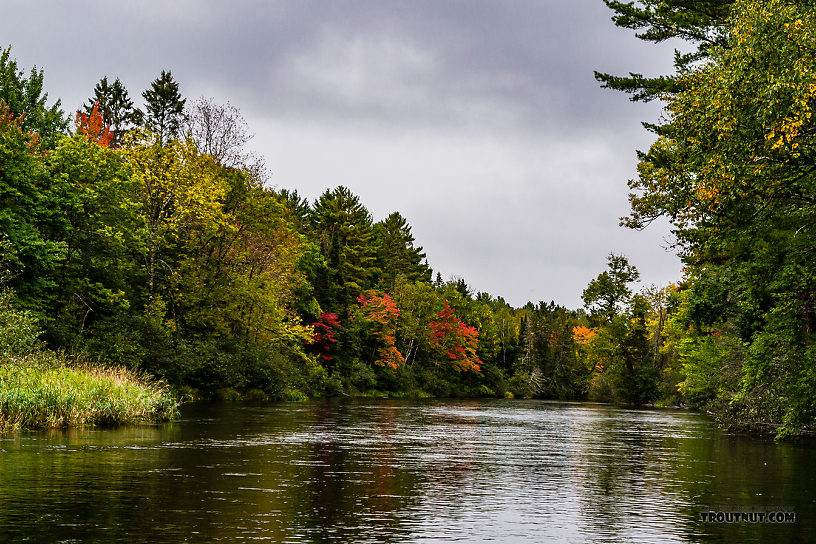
(479, 121)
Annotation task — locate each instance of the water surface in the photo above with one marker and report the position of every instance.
(402, 471)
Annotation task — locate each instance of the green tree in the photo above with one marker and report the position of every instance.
(732, 170)
(605, 294)
(699, 22)
(549, 365)
(634, 377)
(26, 99)
(177, 191)
(342, 227)
(116, 108)
(417, 302)
(95, 191)
(627, 370)
(32, 227)
(396, 254)
(164, 107)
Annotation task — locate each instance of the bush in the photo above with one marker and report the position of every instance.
(18, 329)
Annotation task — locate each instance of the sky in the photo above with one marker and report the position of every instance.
(479, 121)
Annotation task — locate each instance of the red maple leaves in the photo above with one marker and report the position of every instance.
(454, 339)
(92, 126)
(380, 313)
(324, 337)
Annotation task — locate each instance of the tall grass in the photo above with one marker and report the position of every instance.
(45, 390)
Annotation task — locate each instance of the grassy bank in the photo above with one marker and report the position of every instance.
(40, 388)
(45, 390)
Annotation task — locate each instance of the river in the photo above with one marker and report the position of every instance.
(504, 471)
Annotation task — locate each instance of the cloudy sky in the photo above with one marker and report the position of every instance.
(480, 121)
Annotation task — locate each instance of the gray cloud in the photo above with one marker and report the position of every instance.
(478, 120)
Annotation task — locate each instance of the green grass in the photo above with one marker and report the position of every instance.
(48, 390)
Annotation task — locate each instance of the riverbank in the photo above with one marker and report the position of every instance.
(48, 390)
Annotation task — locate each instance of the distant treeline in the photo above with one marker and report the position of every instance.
(146, 237)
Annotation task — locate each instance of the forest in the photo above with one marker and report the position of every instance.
(149, 238)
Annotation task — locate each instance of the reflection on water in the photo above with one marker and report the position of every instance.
(401, 471)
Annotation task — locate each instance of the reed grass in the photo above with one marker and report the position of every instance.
(46, 390)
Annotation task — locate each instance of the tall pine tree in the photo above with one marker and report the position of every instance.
(342, 227)
(164, 107)
(396, 254)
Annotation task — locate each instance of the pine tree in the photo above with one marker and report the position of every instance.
(164, 107)
(701, 22)
(342, 228)
(396, 254)
(116, 108)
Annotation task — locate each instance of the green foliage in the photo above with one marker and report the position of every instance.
(700, 22)
(396, 254)
(732, 170)
(41, 388)
(25, 99)
(175, 260)
(164, 107)
(96, 194)
(551, 366)
(19, 329)
(116, 108)
(342, 227)
(31, 222)
(605, 294)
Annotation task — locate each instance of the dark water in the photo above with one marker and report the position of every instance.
(402, 471)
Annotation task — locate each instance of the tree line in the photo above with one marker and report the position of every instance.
(148, 238)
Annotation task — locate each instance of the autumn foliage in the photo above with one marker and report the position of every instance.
(92, 126)
(583, 335)
(10, 122)
(380, 314)
(455, 340)
(324, 335)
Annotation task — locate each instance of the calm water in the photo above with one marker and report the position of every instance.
(402, 471)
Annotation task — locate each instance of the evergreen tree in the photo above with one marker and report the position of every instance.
(549, 360)
(700, 22)
(605, 294)
(116, 108)
(396, 254)
(634, 377)
(164, 107)
(298, 207)
(342, 227)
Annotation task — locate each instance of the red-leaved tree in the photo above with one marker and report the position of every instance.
(324, 337)
(379, 314)
(455, 340)
(92, 126)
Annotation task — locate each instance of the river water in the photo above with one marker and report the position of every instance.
(404, 471)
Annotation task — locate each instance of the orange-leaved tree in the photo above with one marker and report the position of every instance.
(92, 126)
(455, 340)
(380, 314)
